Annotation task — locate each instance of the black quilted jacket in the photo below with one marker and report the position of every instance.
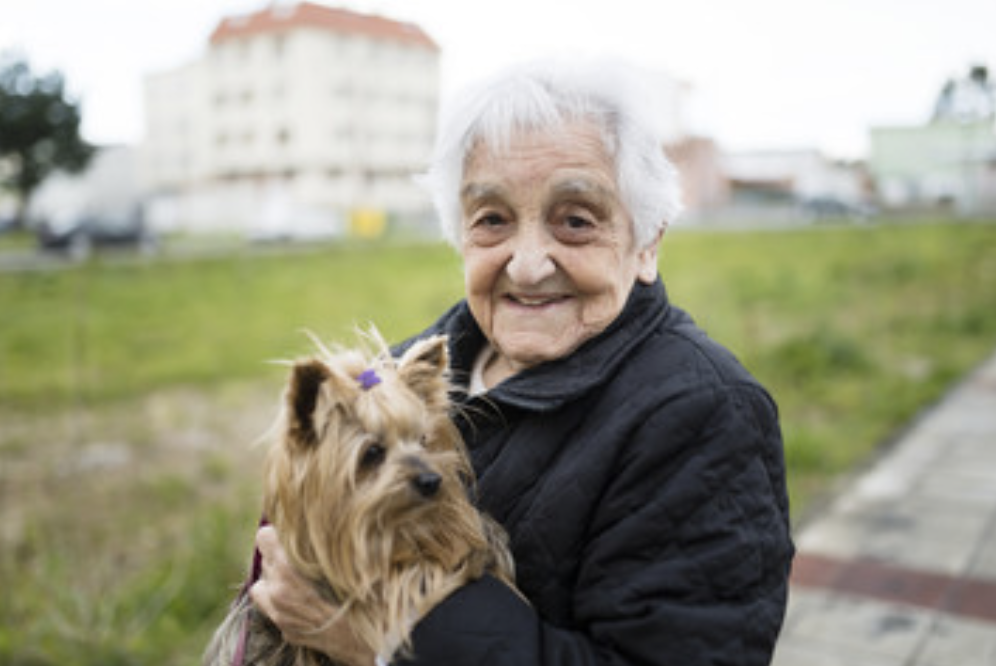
(641, 480)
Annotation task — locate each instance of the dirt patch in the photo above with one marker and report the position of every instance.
(165, 453)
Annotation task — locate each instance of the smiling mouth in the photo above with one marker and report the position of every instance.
(534, 301)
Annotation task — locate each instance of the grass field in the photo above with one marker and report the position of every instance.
(130, 394)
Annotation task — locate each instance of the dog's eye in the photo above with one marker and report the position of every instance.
(373, 455)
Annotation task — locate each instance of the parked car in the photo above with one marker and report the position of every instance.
(832, 208)
(79, 235)
(102, 206)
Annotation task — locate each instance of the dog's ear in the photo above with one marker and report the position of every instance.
(424, 369)
(303, 395)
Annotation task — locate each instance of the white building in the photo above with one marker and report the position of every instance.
(107, 191)
(783, 185)
(940, 164)
(947, 163)
(297, 115)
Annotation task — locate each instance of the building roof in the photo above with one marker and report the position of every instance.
(281, 17)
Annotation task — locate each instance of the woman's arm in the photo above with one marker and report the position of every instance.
(686, 560)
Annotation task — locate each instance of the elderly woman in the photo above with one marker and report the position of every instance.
(636, 465)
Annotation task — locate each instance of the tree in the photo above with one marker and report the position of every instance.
(39, 129)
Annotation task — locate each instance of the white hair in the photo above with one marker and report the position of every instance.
(547, 94)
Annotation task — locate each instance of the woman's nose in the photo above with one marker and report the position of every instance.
(530, 262)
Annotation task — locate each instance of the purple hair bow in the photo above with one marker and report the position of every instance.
(368, 379)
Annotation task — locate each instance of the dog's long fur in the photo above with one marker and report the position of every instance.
(368, 491)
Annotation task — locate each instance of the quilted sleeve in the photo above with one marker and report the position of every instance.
(686, 561)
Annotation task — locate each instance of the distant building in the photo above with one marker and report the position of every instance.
(942, 164)
(968, 99)
(106, 190)
(781, 185)
(297, 116)
(704, 187)
(949, 162)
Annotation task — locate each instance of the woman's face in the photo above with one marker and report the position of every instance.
(548, 249)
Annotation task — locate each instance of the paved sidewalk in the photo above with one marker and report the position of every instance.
(900, 570)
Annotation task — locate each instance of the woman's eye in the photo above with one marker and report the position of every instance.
(575, 228)
(577, 223)
(488, 228)
(490, 220)
(373, 456)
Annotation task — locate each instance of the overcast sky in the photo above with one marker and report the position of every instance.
(764, 74)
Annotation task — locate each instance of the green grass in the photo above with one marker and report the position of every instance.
(853, 329)
(17, 241)
(105, 331)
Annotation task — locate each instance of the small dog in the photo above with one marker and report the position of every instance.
(367, 487)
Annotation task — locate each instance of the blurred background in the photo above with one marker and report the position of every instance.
(275, 120)
(186, 185)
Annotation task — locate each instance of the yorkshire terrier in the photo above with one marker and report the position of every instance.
(367, 485)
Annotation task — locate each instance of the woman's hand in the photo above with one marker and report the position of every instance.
(302, 616)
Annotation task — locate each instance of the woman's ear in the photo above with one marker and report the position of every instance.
(647, 259)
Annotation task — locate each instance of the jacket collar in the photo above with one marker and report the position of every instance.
(547, 386)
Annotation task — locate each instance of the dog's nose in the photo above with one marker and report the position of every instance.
(427, 483)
